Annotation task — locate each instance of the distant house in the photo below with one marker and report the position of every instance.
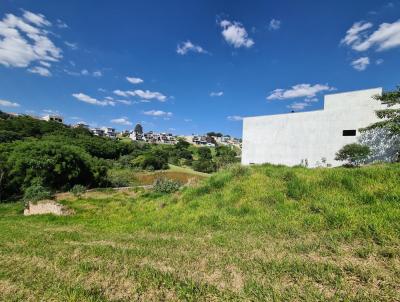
(212, 141)
(109, 132)
(135, 136)
(53, 118)
(124, 133)
(81, 125)
(97, 131)
(200, 140)
(154, 138)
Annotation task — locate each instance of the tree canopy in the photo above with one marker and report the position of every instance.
(138, 129)
(390, 117)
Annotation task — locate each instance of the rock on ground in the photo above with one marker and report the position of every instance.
(46, 207)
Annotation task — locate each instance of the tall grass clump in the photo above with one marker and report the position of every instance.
(297, 188)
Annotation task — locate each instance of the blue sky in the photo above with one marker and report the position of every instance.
(191, 66)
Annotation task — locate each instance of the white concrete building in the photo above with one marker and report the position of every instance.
(54, 118)
(109, 132)
(97, 131)
(309, 138)
(81, 125)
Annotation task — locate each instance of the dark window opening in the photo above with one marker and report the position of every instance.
(349, 132)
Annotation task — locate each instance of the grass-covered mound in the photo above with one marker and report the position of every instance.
(263, 233)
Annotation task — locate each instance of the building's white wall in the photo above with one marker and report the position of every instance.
(290, 138)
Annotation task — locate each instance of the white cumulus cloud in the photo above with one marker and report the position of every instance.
(6, 103)
(387, 36)
(298, 105)
(24, 40)
(97, 74)
(216, 93)
(61, 24)
(134, 80)
(44, 72)
(355, 33)
(143, 94)
(185, 47)
(301, 105)
(360, 64)
(90, 100)
(235, 34)
(274, 24)
(126, 102)
(235, 118)
(121, 93)
(71, 45)
(36, 19)
(148, 95)
(299, 90)
(45, 64)
(158, 113)
(121, 121)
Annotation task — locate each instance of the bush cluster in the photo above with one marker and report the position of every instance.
(164, 185)
(36, 192)
(78, 190)
(353, 154)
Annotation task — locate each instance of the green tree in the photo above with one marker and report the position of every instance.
(150, 161)
(388, 128)
(138, 129)
(206, 166)
(204, 162)
(57, 165)
(204, 153)
(182, 144)
(8, 136)
(216, 134)
(390, 116)
(354, 154)
(224, 156)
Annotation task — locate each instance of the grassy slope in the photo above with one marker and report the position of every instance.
(265, 233)
(137, 178)
(186, 170)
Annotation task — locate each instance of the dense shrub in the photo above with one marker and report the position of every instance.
(153, 160)
(164, 185)
(13, 128)
(78, 190)
(26, 126)
(225, 156)
(204, 162)
(8, 136)
(100, 147)
(36, 192)
(58, 165)
(204, 153)
(205, 166)
(353, 154)
(125, 161)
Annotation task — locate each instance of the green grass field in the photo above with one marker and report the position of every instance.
(264, 233)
